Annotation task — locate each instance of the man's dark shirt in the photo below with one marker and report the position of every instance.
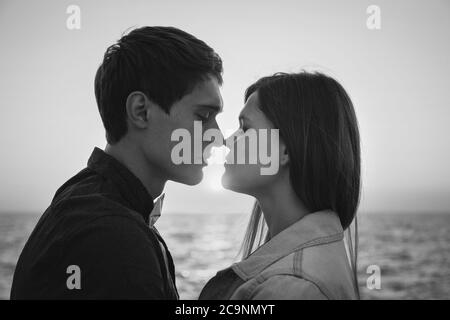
(98, 221)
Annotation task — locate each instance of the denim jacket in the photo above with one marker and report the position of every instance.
(307, 260)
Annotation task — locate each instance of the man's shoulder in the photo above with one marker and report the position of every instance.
(82, 187)
(89, 198)
(107, 226)
(96, 211)
(92, 213)
(111, 233)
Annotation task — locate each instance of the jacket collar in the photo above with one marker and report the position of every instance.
(131, 189)
(313, 229)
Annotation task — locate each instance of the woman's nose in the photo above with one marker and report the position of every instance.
(232, 138)
(227, 141)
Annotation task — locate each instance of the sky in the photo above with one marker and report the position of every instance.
(397, 76)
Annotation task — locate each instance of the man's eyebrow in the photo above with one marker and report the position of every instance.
(217, 108)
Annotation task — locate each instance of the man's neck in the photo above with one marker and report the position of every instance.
(134, 161)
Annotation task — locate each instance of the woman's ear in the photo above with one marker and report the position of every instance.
(284, 156)
(138, 109)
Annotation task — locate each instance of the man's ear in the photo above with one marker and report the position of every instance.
(138, 109)
(284, 156)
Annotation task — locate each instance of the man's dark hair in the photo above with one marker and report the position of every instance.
(164, 63)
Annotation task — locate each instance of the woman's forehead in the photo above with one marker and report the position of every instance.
(252, 112)
(251, 106)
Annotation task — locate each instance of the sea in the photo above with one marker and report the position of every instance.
(401, 256)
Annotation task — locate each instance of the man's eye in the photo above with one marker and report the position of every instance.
(204, 116)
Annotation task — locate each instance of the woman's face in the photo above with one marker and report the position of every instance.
(244, 162)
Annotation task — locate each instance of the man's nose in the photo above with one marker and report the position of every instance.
(218, 142)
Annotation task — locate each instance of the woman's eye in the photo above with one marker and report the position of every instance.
(240, 132)
(243, 128)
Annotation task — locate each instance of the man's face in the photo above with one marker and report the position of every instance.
(201, 105)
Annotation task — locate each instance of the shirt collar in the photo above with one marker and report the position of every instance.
(131, 189)
(157, 209)
(313, 229)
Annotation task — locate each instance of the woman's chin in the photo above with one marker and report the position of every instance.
(225, 180)
(231, 184)
(228, 182)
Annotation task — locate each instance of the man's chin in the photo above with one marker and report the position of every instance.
(191, 177)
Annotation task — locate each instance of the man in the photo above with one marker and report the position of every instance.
(97, 240)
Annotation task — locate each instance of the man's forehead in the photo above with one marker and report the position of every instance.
(207, 93)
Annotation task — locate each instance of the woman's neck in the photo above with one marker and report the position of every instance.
(281, 207)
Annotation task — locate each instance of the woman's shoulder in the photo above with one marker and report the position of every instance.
(316, 272)
(288, 287)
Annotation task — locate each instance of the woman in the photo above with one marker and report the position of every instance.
(298, 221)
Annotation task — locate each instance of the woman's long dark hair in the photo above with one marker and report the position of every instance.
(318, 125)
